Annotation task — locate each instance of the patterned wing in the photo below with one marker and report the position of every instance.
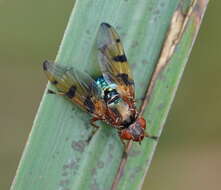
(113, 61)
(77, 86)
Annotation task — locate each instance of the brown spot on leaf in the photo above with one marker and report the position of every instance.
(64, 182)
(72, 164)
(156, 12)
(78, 145)
(64, 174)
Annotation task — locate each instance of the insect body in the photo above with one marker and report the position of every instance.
(111, 96)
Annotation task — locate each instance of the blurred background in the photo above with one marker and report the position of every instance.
(188, 154)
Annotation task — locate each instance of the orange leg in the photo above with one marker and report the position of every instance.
(95, 127)
(124, 143)
(92, 122)
(124, 155)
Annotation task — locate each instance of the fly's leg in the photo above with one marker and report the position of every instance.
(124, 155)
(124, 143)
(150, 136)
(95, 127)
(57, 93)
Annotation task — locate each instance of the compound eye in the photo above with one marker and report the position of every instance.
(142, 122)
(125, 134)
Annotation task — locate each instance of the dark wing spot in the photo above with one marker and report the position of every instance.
(54, 82)
(71, 92)
(106, 24)
(51, 92)
(45, 63)
(118, 40)
(120, 58)
(89, 104)
(125, 79)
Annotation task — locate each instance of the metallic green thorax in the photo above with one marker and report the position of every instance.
(108, 91)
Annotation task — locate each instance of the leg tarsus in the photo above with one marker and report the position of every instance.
(94, 119)
(125, 154)
(95, 128)
(57, 93)
(154, 137)
(149, 136)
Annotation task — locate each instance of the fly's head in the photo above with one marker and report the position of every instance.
(135, 131)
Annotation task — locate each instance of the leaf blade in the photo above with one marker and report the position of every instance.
(60, 130)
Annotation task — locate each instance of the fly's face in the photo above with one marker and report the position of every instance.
(135, 131)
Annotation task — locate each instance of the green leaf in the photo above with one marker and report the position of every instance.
(57, 155)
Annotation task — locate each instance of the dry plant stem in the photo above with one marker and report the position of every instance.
(177, 27)
(174, 34)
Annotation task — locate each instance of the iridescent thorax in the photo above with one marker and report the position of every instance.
(108, 91)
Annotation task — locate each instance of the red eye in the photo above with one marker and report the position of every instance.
(125, 135)
(142, 122)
